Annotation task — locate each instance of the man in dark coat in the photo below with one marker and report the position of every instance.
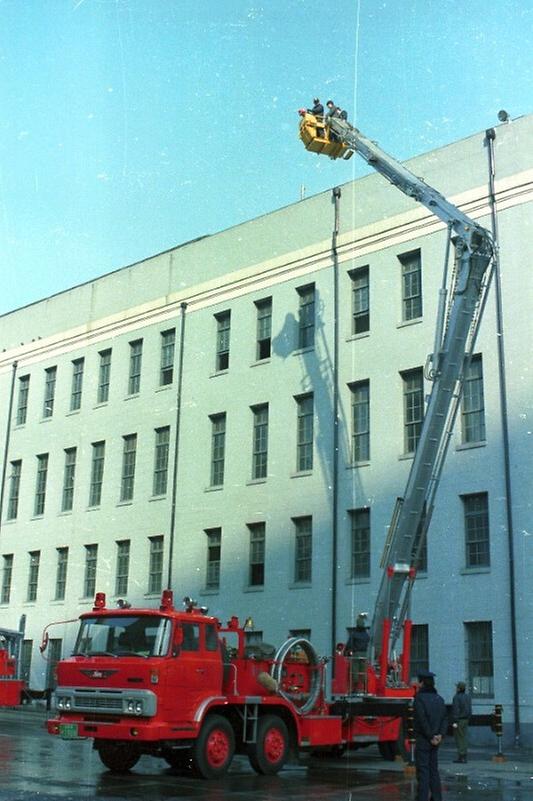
(430, 725)
(318, 108)
(356, 650)
(461, 713)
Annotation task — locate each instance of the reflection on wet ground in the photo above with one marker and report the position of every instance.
(34, 765)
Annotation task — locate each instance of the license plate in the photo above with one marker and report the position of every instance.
(68, 731)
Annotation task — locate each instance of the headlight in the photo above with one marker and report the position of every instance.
(65, 703)
(134, 707)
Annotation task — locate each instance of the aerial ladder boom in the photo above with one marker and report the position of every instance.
(455, 339)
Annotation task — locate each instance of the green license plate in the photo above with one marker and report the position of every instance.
(68, 731)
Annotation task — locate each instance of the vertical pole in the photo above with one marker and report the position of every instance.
(491, 135)
(172, 526)
(335, 403)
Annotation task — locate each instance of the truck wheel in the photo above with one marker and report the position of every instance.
(269, 753)
(118, 757)
(213, 750)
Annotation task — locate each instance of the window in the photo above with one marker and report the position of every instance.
(129, 454)
(264, 328)
(218, 448)
(476, 512)
(260, 441)
(123, 567)
(413, 407)
(303, 549)
(162, 440)
(68, 480)
(25, 660)
(256, 575)
(304, 432)
(419, 648)
(89, 581)
(411, 285)
(360, 421)
(33, 576)
(223, 333)
(22, 406)
(49, 391)
(155, 571)
(61, 573)
(480, 667)
(360, 544)
(306, 320)
(166, 372)
(104, 376)
(360, 301)
(97, 473)
(473, 406)
(214, 546)
(14, 490)
(136, 354)
(40, 485)
(7, 576)
(77, 384)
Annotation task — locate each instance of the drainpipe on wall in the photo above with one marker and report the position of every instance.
(491, 136)
(336, 196)
(8, 437)
(172, 526)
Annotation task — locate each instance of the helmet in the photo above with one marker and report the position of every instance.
(461, 686)
(330, 103)
(316, 100)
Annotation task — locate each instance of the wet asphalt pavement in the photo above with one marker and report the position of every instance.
(35, 765)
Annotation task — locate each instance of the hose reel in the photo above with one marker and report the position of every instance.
(299, 680)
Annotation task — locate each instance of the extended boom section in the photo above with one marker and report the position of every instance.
(473, 254)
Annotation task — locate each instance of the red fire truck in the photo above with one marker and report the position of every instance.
(11, 685)
(179, 685)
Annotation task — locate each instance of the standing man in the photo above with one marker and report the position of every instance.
(356, 650)
(461, 712)
(430, 724)
(318, 108)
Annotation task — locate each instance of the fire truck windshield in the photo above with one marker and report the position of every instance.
(135, 635)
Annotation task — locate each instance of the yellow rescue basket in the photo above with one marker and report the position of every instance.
(316, 136)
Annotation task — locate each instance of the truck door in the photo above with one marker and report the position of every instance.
(196, 672)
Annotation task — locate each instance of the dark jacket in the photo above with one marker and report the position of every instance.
(317, 110)
(461, 706)
(358, 639)
(430, 716)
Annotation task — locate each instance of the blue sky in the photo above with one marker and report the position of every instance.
(131, 126)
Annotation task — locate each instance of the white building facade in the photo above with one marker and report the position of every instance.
(173, 423)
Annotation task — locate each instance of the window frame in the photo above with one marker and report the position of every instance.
(360, 281)
(23, 400)
(412, 300)
(476, 530)
(61, 573)
(69, 477)
(213, 557)
(360, 408)
(223, 340)
(91, 565)
(360, 543)
(97, 473)
(40, 484)
(78, 367)
(14, 489)
(260, 441)
(135, 367)
(473, 403)
(306, 316)
(104, 376)
(218, 449)
(161, 457)
(303, 549)
(50, 380)
(257, 552)
(168, 348)
(129, 458)
(263, 349)
(413, 402)
(33, 576)
(122, 571)
(155, 564)
(305, 437)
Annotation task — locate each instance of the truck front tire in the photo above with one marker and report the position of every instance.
(213, 750)
(269, 753)
(118, 757)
